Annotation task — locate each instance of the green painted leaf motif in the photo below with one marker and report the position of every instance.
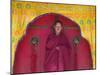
(81, 22)
(19, 5)
(28, 6)
(88, 21)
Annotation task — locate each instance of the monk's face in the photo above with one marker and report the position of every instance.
(58, 27)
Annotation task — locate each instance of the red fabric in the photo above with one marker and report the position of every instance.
(57, 56)
(25, 57)
(84, 58)
(30, 58)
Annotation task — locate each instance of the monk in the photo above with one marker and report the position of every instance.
(57, 50)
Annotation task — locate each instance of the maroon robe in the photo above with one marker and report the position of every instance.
(57, 53)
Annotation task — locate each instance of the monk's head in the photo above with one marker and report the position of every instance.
(57, 27)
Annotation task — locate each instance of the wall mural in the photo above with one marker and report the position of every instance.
(34, 41)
